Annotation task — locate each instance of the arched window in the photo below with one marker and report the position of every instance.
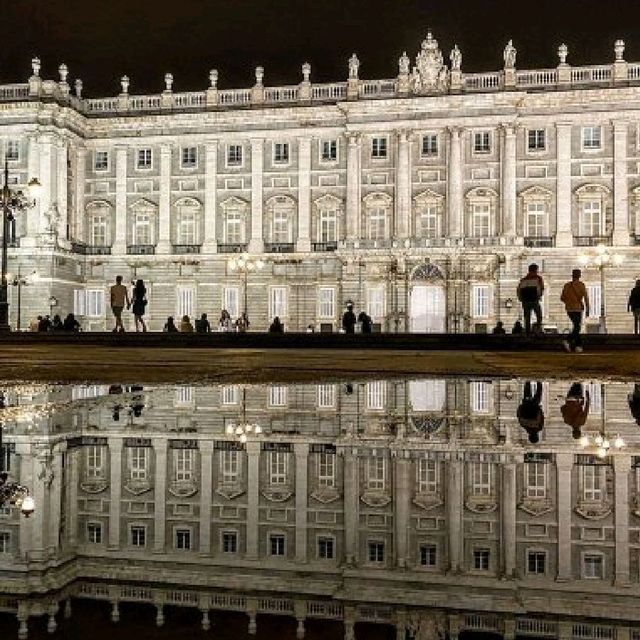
(234, 213)
(377, 210)
(187, 230)
(481, 210)
(536, 206)
(280, 219)
(593, 201)
(427, 214)
(143, 215)
(99, 224)
(327, 219)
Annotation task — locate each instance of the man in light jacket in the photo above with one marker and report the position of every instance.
(576, 300)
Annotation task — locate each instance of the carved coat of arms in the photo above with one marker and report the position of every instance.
(430, 74)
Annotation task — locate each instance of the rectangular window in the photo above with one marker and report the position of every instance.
(329, 150)
(481, 559)
(13, 150)
(276, 544)
(378, 224)
(142, 231)
(138, 463)
(481, 478)
(327, 469)
(537, 562)
(593, 566)
(277, 302)
(326, 396)
(480, 220)
(99, 230)
(230, 466)
(230, 301)
(101, 161)
(183, 464)
(429, 145)
(376, 551)
(230, 394)
(94, 533)
(234, 155)
(281, 152)
(536, 479)
(376, 473)
(184, 396)
(89, 303)
(95, 461)
(376, 395)
(591, 221)
(379, 148)
(594, 389)
(326, 548)
(277, 396)
(229, 542)
(281, 226)
(428, 222)
(5, 542)
(233, 227)
(189, 157)
(138, 536)
(145, 158)
(326, 302)
(593, 482)
(427, 472)
(480, 397)
(185, 306)
(328, 226)
(536, 219)
(278, 465)
(376, 302)
(428, 555)
(595, 301)
(482, 142)
(183, 539)
(480, 301)
(591, 137)
(536, 139)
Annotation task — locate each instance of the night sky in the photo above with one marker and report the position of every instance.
(100, 40)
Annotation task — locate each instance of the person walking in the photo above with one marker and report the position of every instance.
(633, 305)
(119, 297)
(203, 325)
(170, 326)
(530, 290)
(139, 303)
(576, 300)
(349, 319)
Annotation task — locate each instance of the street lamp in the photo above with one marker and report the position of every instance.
(13, 492)
(243, 428)
(602, 441)
(12, 203)
(245, 264)
(601, 258)
(53, 302)
(20, 281)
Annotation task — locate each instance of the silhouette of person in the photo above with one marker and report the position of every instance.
(634, 403)
(575, 409)
(530, 413)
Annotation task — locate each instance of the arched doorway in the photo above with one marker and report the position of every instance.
(427, 308)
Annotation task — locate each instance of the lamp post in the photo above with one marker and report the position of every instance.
(242, 429)
(601, 258)
(20, 281)
(53, 302)
(11, 202)
(602, 442)
(245, 264)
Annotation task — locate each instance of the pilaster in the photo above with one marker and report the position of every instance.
(403, 186)
(564, 467)
(401, 503)
(621, 469)
(564, 236)
(160, 495)
(454, 183)
(61, 189)
(47, 180)
(115, 491)
(253, 499)
(620, 185)
(55, 490)
(78, 227)
(304, 195)
(120, 240)
(206, 494)
(164, 209)
(210, 196)
(301, 451)
(33, 215)
(508, 181)
(72, 497)
(455, 470)
(508, 513)
(351, 506)
(256, 243)
(353, 186)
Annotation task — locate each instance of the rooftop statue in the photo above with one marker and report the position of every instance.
(430, 74)
(509, 55)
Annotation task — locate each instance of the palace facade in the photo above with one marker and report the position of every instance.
(421, 198)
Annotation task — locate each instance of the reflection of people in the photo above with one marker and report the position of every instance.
(530, 414)
(575, 409)
(634, 402)
(633, 305)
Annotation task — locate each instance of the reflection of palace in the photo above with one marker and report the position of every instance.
(421, 197)
(418, 504)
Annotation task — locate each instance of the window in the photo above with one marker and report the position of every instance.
(482, 142)
(230, 466)
(427, 222)
(375, 395)
(376, 473)
(278, 302)
(229, 542)
(595, 301)
(185, 301)
(278, 464)
(327, 469)
(481, 477)
(187, 228)
(329, 151)
(536, 140)
(99, 229)
(481, 559)
(536, 479)
(591, 138)
(230, 301)
(326, 302)
(328, 226)
(326, 396)
(101, 161)
(234, 155)
(183, 464)
(278, 396)
(138, 463)
(281, 152)
(230, 394)
(480, 219)
(142, 228)
(94, 533)
(376, 551)
(593, 482)
(427, 476)
(480, 301)
(184, 396)
(593, 566)
(276, 544)
(378, 224)
(537, 562)
(144, 159)
(281, 226)
(379, 148)
(595, 388)
(536, 219)
(480, 397)
(183, 539)
(591, 218)
(429, 145)
(376, 302)
(138, 535)
(189, 157)
(95, 461)
(13, 150)
(89, 303)
(326, 549)
(428, 555)
(5, 542)
(233, 226)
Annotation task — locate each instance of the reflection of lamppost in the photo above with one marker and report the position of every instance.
(11, 202)
(601, 258)
(245, 264)
(602, 442)
(53, 302)
(242, 428)
(20, 281)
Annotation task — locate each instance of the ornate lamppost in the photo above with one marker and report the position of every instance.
(243, 428)
(601, 258)
(13, 492)
(245, 264)
(20, 281)
(12, 203)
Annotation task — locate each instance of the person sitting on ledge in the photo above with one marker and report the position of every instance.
(56, 324)
(71, 324)
(170, 326)
(365, 322)
(276, 326)
(499, 329)
(185, 325)
(518, 329)
(203, 325)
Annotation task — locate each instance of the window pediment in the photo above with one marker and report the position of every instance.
(536, 193)
(280, 201)
(327, 201)
(591, 191)
(377, 199)
(233, 202)
(427, 197)
(188, 203)
(481, 194)
(98, 206)
(143, 206)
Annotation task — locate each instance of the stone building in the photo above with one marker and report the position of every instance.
(420, 504)
(422, 197)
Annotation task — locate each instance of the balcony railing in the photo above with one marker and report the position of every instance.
(186, 248)
(96, 250)
(324, 246)
(234, 247)
(539, 241)
(591, 241)
(279, 247)
(141, 249)
(484, 241)
(368, 243)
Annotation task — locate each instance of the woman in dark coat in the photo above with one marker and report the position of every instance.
(139, 303)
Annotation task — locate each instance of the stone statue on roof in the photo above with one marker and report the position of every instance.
(430, 74)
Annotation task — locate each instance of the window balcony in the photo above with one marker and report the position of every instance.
(96, 250)
(232, 248)
(539, 241)
(324, 246)
(141, 249)
(483, 241)
(591, 241)
(186, 248)
(279, 247)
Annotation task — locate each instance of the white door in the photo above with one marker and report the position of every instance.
(427, 309)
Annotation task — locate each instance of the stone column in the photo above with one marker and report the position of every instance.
(301, 451)
(454, 183)
(304, 195)
(210, 196)
(206, 492)
(253, 499)
(115, 491)
(256, 244)
(33, 215)
(509, 499)
(620, 185)
(621, 469)
(47, 180)
(39, 521)
(455, 486)
(564, 466)
(164, 209)
(55, 498)
(564, 235)
(120, 239)
(160, 495)
(351, 506)
(349, 617)
(403, 187)
(353, 187)
(454, 626)
(73, 463)
(402, 504)
(509, 628)
(61, 189)
(78, 228)
(508, 181)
